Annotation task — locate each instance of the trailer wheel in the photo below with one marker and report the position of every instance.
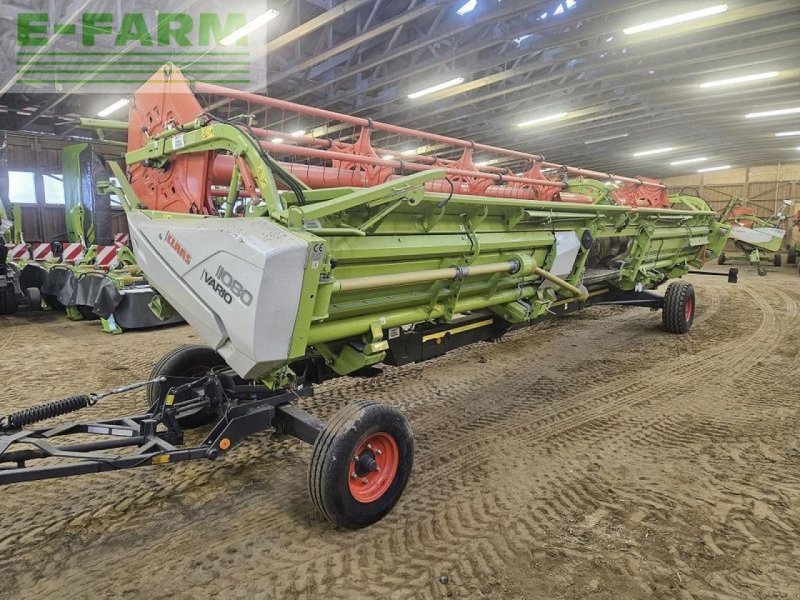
(721, 258)
(360, 464)
(8, 300)
(191, 360)
(34, 297)
(791, 255)
(776, 260)
(679, 303)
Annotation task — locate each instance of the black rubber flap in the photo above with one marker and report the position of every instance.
(99, 293)
(58, 289)
(134, 310)
(32, 275)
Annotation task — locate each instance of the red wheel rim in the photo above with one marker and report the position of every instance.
(373, 467)
(689, 310)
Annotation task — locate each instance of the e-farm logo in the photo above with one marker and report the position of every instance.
(105, 47)
(171, 29)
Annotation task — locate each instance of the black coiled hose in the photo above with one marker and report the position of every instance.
(33, 414)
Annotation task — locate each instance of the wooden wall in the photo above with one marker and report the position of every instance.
(764, 188)
(42, 222)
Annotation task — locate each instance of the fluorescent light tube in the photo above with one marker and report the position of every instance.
(436, 88)
(722, 168)
(605, 139)
(113, 108)
(654, 151)
(742, 79)
(773, 113)
(689, 161)
(467, 7)
(674, 20)
(250, 27)
(546, 119)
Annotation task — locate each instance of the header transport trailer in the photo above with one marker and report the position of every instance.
(754, 235)
(397, 256)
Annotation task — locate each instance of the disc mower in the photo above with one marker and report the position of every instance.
(299, 256)
(92, 274)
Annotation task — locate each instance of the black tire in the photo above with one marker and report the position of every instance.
(333, 462)
(191, 360)
(34, 297)
(8, 300)
(791, 255)
(721, 258)
(776, 260)
(679, 307)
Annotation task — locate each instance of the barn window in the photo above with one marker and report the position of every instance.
(53, 188)
(21, 188)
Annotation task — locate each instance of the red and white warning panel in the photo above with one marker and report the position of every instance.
(42, 252)
(107, 256)
(18, 252)
(72, 253)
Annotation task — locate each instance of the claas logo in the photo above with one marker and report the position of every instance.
(179, 249)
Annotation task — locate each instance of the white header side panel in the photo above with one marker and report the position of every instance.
(236, 281)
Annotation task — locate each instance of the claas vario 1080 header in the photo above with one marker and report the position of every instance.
(304, 255)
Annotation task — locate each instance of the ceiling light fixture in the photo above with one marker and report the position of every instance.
(467, 7)
(722, 168)
(540, 120)
(277, 140)
(689, 161)
(773, 113)
(786, 133)
(250, 27)
(298, 133)
(674, 20)
(654, 151)
(114, 107)
(436, 88)
(742, 79)
(605, 139)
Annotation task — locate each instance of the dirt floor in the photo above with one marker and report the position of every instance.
(595, 456)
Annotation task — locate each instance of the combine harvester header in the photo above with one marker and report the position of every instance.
(356, 243)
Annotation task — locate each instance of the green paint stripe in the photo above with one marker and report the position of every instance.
(131, 71)
(127, 62)
(167, 54)
(117, 80)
